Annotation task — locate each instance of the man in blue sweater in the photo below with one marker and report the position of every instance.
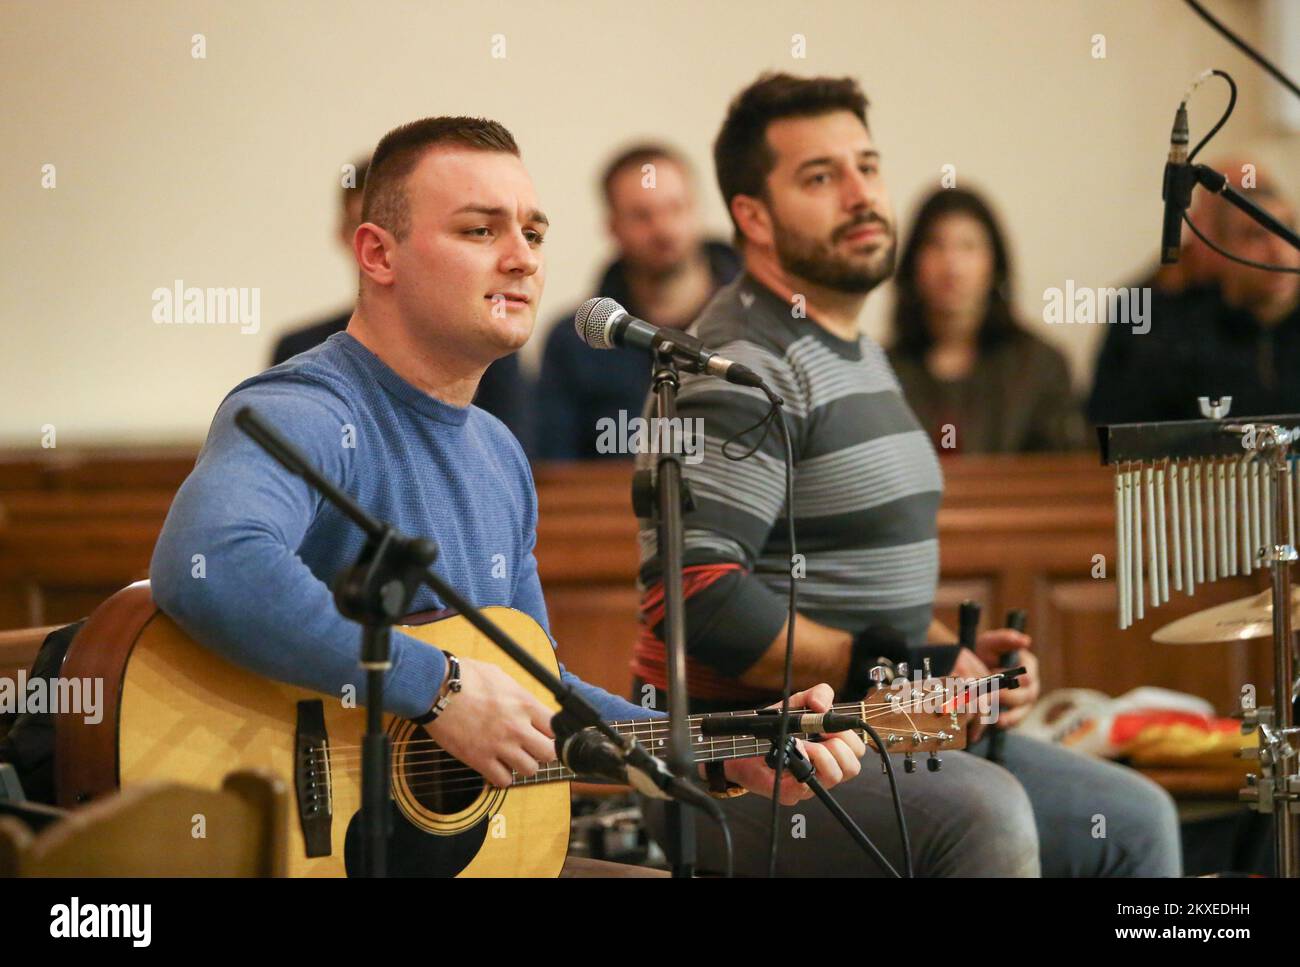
(451, 273)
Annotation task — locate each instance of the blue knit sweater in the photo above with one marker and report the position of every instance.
(248, 551)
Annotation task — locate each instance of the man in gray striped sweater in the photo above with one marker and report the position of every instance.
(802, 180)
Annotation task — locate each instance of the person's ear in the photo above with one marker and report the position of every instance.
(753, 219)
(373, 247)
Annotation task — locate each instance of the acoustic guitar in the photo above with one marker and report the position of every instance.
(174, 710)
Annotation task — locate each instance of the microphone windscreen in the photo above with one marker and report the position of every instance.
(592, 321)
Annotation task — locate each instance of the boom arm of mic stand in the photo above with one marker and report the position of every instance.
(1218, 183)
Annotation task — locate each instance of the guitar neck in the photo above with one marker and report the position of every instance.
(652, 735)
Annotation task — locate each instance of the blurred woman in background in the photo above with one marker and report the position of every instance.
(978, 381)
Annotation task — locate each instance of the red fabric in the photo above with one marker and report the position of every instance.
(1127, 727)
(650, 657)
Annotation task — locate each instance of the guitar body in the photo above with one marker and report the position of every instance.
(187, 715)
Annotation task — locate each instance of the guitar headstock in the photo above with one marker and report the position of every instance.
(920, 715)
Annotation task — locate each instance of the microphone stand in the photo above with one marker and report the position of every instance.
(803, 770)
(671, 498)
(377, 591)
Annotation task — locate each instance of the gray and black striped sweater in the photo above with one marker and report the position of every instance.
(867, 486)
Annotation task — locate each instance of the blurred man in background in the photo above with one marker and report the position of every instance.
(665, 273)
(1225, 329)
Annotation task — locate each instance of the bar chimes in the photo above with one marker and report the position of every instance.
(1193, 515)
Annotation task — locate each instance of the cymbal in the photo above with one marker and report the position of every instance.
(1239, 620)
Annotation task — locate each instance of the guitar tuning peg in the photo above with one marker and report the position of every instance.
(902, 669)
(909, 764)
(925, 663)
(878, 673)
(934, 763)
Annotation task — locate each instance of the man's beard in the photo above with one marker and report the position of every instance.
(819, 263)
(662, 273)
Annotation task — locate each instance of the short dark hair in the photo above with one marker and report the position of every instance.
(637, 155)
(742, 157)
(385, 201)
(911, 335)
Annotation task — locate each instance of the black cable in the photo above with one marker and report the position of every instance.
(1236, 258)
(1232, 104)
(854, 830)
(908, 872)
(1245, 48)
(717, 814)
(776, 414)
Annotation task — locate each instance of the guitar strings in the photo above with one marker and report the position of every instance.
(450, 779)
(462, 777)
(548, 772)
(642, 729)
(750, 747)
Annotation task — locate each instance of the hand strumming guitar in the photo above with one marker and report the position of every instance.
(493, 724)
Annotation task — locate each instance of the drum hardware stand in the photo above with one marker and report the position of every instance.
(1276, 788)
(1244, 515)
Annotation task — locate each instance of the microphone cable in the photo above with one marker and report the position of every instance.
(776, 416)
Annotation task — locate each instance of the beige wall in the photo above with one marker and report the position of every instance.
(223, 171)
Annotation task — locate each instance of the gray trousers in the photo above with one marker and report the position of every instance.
(1050, 812)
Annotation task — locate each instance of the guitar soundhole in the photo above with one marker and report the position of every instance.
(440, 783)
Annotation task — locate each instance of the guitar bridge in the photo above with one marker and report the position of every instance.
(311, 777)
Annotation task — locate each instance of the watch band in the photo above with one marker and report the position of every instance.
(450, 686)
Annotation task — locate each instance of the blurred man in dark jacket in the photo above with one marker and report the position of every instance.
(1233, 330)
(664, 274)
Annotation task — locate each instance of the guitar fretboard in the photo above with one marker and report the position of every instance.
(652, 735)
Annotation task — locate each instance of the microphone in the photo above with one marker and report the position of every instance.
(766, 724)
(588, 753)
(603, 324)
(1176, 190)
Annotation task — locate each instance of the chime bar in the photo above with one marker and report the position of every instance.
(1178, 439)
(1193, 503)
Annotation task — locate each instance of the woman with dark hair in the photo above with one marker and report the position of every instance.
(978, 382)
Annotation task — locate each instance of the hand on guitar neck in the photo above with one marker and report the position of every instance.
(493, 725)
(837, 758)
